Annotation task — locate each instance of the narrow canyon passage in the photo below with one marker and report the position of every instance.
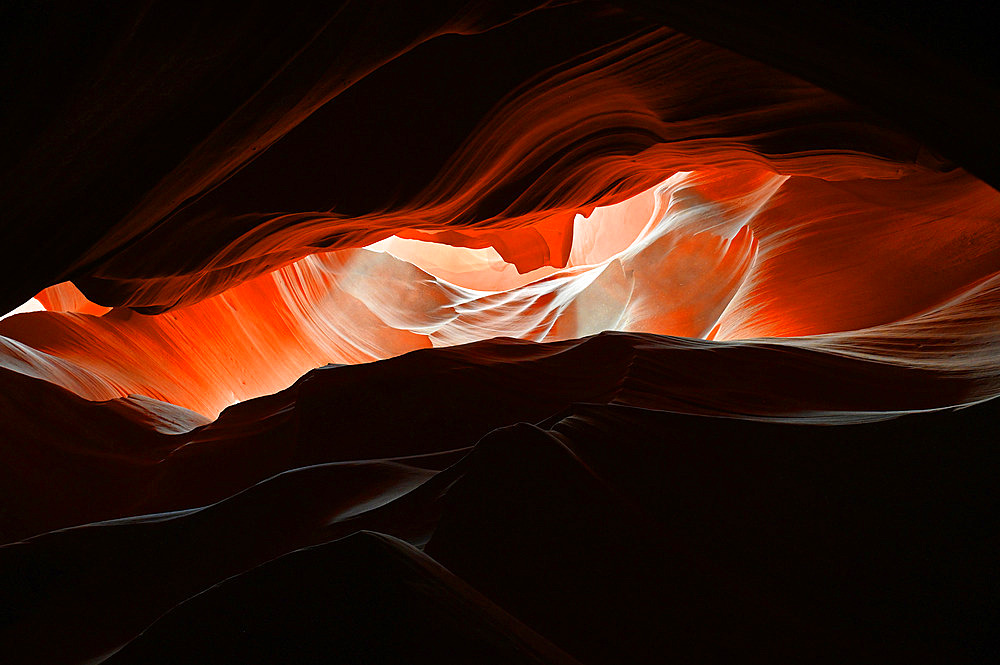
(498, 332)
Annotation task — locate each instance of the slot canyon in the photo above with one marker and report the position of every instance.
(571, 331)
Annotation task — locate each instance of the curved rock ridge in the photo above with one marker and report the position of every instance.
(137, 455)
(764, 526)
(717, 254)
(299, 147)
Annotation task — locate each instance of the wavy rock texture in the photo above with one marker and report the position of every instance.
(497, 332)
